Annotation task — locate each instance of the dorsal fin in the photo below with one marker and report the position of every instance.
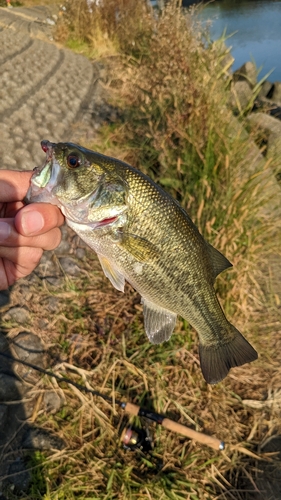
(219, 261)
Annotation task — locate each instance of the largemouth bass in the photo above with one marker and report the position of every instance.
(142, 235)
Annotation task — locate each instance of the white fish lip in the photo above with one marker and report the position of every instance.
(43, 182)
(47, 177)
(41, 178)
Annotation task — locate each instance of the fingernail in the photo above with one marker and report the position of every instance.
(5, 230)
(32, 222)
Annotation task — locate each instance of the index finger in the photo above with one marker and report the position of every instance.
(13, 185)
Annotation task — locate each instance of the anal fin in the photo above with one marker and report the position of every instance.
(159, 323)
(112, 273)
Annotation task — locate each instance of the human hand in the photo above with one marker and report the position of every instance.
(25, 231)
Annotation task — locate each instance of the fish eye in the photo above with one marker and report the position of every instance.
(73, 161)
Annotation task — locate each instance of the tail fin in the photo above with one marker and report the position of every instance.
(217, 359)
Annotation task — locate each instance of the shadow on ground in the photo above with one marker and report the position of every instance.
(20, 441)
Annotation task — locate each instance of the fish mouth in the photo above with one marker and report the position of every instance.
(44, 178)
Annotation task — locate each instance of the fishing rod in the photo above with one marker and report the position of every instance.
(132, 409)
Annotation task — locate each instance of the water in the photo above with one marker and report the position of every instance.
(258, 27)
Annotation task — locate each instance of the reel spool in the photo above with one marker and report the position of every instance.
(134, 438)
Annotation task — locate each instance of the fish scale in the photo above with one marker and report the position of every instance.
(143, 236)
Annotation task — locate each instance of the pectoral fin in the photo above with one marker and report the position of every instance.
(112, 273)
(141, 248)
(158, 322)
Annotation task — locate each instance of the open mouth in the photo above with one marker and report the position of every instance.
(43, 182)
(46, 178)
(41, 178)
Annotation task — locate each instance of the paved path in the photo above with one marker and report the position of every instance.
(44, 90)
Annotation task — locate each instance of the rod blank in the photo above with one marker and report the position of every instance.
(133, 409)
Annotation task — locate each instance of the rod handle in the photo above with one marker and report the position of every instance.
(132, 409)
(211, 441)
(172, 426)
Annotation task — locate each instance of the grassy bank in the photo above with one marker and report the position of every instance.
(169, 89)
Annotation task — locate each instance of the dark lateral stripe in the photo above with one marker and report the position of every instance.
(33, 90)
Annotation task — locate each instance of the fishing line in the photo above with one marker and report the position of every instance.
(131, 408)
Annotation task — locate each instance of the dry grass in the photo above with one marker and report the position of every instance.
(171, 93)
(97, 339)
(33, 3)
(54, 4)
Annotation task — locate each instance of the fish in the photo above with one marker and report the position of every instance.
(143, 236)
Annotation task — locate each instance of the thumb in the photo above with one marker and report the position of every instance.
(38, 218)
